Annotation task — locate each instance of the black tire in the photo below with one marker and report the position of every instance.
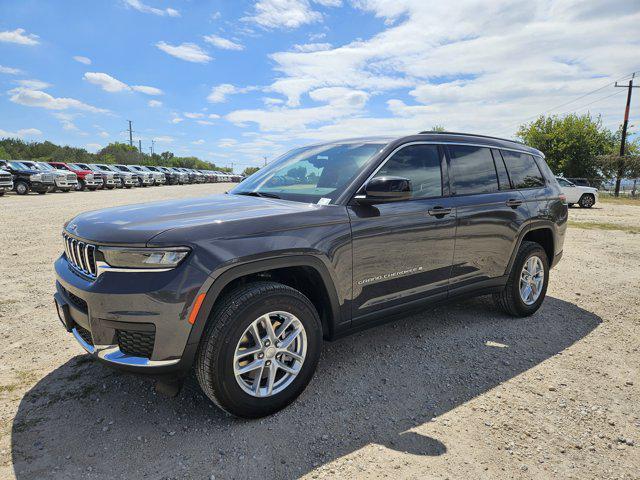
(227, 323)
(587, 200)
(1, 193)
(21, 187)
(92, 189)
(80, 186)
(44, 192)
(570, 205)
(65, 190)
(509, 299)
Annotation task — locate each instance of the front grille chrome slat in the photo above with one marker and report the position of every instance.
(81, 255)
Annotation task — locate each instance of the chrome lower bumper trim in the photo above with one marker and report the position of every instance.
(113, 354)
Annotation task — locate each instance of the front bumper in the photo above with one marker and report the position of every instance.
(6, 186)
(151, 307)
(42, 186)
(92, 183)
(63, 183)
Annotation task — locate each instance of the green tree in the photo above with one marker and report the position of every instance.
(4, 155)
(618, 167)
(250, 171)
(571, 144)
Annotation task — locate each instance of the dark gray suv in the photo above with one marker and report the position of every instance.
(240, 289)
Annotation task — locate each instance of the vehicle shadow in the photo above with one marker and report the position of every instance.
(85, 419)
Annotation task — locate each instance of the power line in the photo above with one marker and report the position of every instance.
(590, 103)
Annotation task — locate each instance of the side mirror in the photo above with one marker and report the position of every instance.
(386, 189)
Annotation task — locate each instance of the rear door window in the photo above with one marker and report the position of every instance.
(473, 170)
(523, 170)
(503, 177)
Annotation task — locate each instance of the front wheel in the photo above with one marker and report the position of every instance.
(587, 200)
(526, 287)
(259, 349)
(21, 188)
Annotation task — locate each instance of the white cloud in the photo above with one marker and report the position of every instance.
(154, 103)
(283, 14)
(66, 119)
(38, 98)
(198, 142)
(312, 47)
(227, 142)
(10, 70)
(22, 133)
(19, 36)
(176, 120)
(193, 115)
(33, 84)
(205, 122)
(141, 7)
(189, 52)
(147, 90)
(106, 82)
(113, 85)
(81, 59)
(219, 93)
(103, 134)
(222, 43)
(164, 139)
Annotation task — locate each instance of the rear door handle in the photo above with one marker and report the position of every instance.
(439, 212)
(514, 203)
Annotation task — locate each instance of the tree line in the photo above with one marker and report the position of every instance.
(119, 153)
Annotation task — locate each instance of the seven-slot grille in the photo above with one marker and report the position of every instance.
(47, 177)
(71, 177)
(5, 177)
(81, 255)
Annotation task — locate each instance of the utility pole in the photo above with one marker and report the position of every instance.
(625, 124)
(130, 134)
(152, 144)
(140, 145)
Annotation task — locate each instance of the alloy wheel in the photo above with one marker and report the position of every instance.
(270, 354)
(531, 280)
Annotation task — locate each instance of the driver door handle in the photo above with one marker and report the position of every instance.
(514, 203)
(439, 212)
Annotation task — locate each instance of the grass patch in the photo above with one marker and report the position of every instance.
(604, 226)
(626, 200)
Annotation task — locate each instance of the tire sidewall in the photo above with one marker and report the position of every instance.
(21, 191)
(236, 400)
(584, 198)
(522, 307)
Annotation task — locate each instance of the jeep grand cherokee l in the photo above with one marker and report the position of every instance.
(241, 288)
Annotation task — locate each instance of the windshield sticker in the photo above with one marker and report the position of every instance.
(324, 201)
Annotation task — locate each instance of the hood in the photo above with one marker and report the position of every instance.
(138, 224)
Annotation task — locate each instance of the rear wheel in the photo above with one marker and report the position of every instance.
(587, 200)
(21, 187)
(526, 287)
(259, 350)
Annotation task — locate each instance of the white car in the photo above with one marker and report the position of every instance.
(586, 197)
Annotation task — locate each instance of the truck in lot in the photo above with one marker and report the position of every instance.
(27, 179)
(87, 179)
(65, 181)
(170, 178)
(240, 289)
(159, 178)
(6, 180)
(107, 179)
(144, 178)
(122, 179)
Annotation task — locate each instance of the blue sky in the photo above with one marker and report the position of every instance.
(237, 80)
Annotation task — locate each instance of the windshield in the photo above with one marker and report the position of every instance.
(76, 166)
(18, 166)
(45, 166)
(122, 167)
(309, 174)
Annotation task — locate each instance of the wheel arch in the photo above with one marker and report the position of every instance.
(539, 232)
(306, 273)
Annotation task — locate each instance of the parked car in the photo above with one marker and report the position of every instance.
(183, 176)
(586, 197)
(86, 178)
(65, 181)
(209, 176)
(6, 179)
(27, 179)
(158, 177)
(169, 178)
(144, 178)
(123, 179)
(106, 179)
(242, 288)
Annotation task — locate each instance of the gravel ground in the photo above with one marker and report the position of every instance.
(457, 391)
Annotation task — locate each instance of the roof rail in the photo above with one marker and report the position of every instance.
(470, 135)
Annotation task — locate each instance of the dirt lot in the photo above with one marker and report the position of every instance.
(460, 391)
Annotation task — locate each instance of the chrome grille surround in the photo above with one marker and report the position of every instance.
(80, 255)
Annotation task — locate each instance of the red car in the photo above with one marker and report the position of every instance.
(86, 178)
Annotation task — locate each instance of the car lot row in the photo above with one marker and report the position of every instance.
(24, 176)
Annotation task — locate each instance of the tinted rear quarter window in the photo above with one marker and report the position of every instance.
(421, 165)
(523, 170)
(473, 170)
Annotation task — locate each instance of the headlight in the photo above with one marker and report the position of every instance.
(36, 177)
(122, 257)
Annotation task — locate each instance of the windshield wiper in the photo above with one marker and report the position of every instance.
(258, 194)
